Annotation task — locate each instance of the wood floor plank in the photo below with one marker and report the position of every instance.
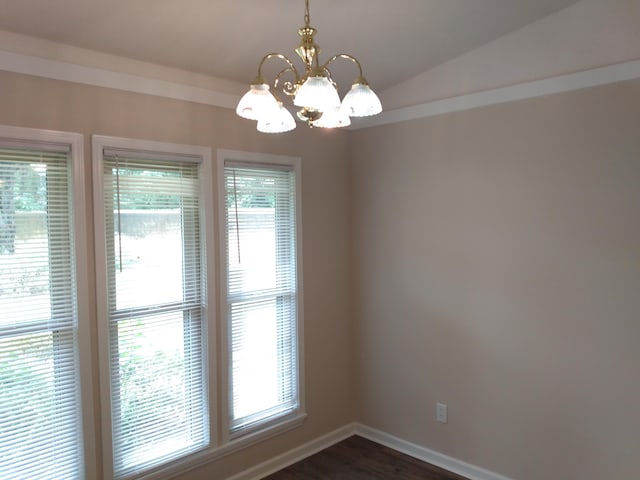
(357, 458)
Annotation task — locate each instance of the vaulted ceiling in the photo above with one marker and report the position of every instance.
(394, 40)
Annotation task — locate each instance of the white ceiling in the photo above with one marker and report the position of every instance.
(394, 40)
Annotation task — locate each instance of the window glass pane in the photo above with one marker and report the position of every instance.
(261, 293)
(151, 254)
(24, 241)
(155, 286)
(255, 357)
(150, 207)
(248, 241)
(40, 433)
(159, 398)
(38, 426)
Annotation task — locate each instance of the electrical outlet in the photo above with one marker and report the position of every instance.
(441, 412)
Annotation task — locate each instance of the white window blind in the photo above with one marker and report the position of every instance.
(40, 433)
(261, 293)
(156, 285)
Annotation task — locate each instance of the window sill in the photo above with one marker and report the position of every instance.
(198, 459)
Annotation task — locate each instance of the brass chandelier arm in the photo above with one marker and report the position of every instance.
(346, 56)
(269, 56)
(288, 88)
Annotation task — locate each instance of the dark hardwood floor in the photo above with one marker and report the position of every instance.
(358, 459)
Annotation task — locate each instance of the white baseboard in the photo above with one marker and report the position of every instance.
(430, 456)
(300, 453)
(421, 453)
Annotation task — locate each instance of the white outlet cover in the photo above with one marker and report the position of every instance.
(441, 412)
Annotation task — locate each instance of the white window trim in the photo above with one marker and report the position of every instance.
(75, 142)
(203, 156)
(221, 443)
(277, 426)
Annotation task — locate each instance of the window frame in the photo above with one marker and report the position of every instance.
(94, 388)
(222, 442)
(75, 143)
(155, 150)
(272, 426)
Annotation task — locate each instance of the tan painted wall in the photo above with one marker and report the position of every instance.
(496, 265)
(497, 269)
(48, 104)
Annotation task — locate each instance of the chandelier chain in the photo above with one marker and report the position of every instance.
(307, 18)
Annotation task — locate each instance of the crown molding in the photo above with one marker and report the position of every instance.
(537, 88)
(89, 75)
(70, 72)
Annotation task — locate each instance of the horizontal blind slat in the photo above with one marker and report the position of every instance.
(155, 310)
(261, 292)
(39, 423)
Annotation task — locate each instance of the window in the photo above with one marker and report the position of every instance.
(154, 323)
(154, 237)
(40, 395)
(260, 217)
(153, 213)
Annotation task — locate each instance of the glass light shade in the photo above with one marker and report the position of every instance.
(334, 118)
(257, 102)
(278, 121)
(361, 101)
(317, 93)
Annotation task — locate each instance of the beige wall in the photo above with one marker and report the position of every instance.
(497, 269)
(38, 103)
(494, 266)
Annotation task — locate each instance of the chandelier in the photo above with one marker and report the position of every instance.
(314, 91)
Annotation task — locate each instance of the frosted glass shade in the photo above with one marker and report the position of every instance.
(317, 93)
(334, 118)
(279, 121)
(257, 102)
(361, 101)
